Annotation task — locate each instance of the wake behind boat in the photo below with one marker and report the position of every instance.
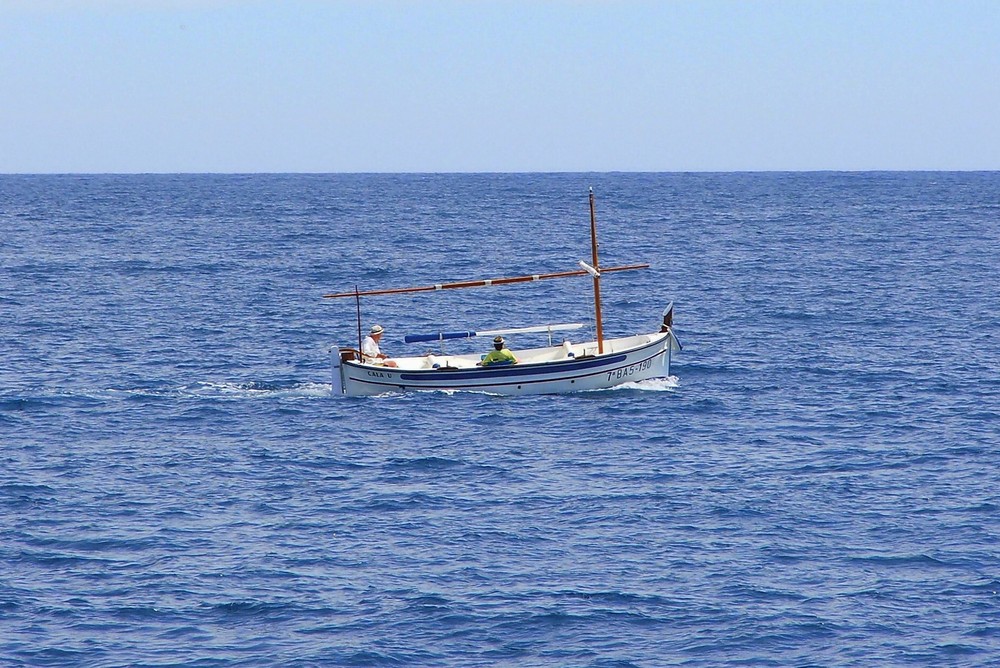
(553, 369)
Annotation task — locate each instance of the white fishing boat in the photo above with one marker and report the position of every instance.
(553, 369)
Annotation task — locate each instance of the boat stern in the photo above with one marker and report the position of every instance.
(337, 379)
(338, 356)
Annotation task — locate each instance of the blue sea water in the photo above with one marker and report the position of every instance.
(818, 485)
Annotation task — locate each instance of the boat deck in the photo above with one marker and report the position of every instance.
(562, 352)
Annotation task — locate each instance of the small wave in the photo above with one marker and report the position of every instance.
(251, 607)
(20, 496)
(902, 560)
(651, 385)
(226, 390)
(423, 464)
(255, 389)
(46, 400)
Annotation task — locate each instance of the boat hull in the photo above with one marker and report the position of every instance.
(621, 362)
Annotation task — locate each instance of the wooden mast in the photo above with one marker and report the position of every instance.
(594, 270)
(597, 277)
(357, 300)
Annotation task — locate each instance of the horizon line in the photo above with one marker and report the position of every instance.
(505, 172)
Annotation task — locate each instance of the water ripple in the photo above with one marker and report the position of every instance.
(816, 485)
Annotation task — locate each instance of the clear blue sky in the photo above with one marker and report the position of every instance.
(483, 85)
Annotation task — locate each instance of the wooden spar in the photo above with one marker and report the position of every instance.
(483, 283)
(597, 277)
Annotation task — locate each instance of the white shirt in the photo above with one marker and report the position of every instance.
(370, 349)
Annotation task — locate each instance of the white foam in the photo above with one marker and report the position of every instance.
(651, 385)
(254, 390)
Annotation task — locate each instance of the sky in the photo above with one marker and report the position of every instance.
(126, 86)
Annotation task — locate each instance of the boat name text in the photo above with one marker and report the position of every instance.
(630, 370)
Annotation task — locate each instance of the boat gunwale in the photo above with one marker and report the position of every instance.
(478, 370)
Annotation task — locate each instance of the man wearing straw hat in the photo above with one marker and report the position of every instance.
(370, 349)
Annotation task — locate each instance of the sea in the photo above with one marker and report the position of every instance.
(816, 484)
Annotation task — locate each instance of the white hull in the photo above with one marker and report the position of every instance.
(551, 370)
